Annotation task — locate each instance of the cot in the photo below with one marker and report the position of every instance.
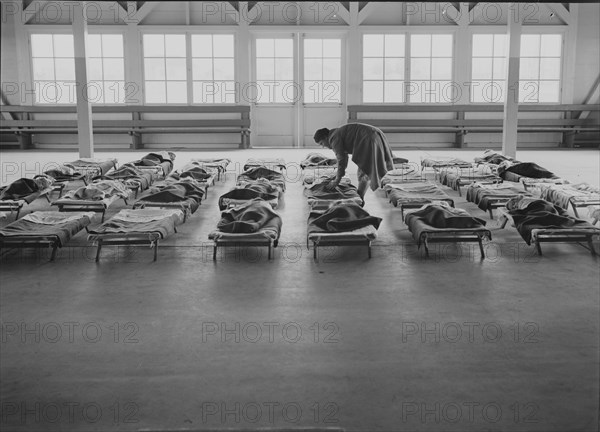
(133, 178)
(16, 195)
(253, 223)
(406, 172)
(185, 195)
(576, 195)
(160, 164)
(317, 160)
(96, 197)
(437, 162)
(493, 196)
(435, 223)
(456, 177)
(44, 229)
(220, 164)
(412, 195)
(270, 163)
(261, 188)
(320, 197)
(136, 227)
(275, 177)
(341, 224)
(539, 221)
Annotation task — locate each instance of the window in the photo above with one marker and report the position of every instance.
(430, 68)
(488, 69)
(383, 68)
(53, 65)
(106, 68)
(213, 71)
(275, 70)
(539, 77)
(165, 70)
(322, 70)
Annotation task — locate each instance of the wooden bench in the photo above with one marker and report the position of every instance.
(460, 124)
(22, 122)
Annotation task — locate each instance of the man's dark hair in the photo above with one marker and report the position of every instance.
(321, 134)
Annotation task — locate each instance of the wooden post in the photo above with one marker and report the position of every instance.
(511, 104)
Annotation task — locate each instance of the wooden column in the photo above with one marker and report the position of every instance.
(85, 134)
(511, 104)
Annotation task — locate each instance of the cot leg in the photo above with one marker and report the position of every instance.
(575, 210)
(315, 256)
(426, 247)
(18, 212)
(103, 212)
(491, 214)
(591, 245)
(270, 251)
(215, 252)
(155, 250)
(98, 250)
(459, 191)
(503, 222)
(175, 229)
(47, 197)
(481, 248)
(369, 249)
(53, 255)
(538, 247)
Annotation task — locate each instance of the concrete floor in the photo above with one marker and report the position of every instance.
(395, 343)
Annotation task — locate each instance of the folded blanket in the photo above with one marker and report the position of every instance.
(98, 191)
(341, 218)
(62, 230)
(443, 217)
(262, 172)
(141, 221)
(248, 218)
(529, 214)
(173, 192)
(344, 190)
(25, 189)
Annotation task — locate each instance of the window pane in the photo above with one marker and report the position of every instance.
(530, 45)
(373, 45)
(529, 68)
(95, 91)
(93, 45)
(201, 45)
(550, 68)
(332, 48)
(154, 45)
(394, 91)
(45, 92)
(284, 68)
(176, 69)
(313, 69)
(223, 45)
(441, 68)
(313, 48)
(65, 69)
(482, 45)
(394, 68)
(224, 69)
(373, 91)
(202, 69)
(312, 91)
(155, 92)
(265, 48)
(549, 91)
(420, 69)
(528, 91)
(176, 92)
(551, 45)
(154, 69)
(420, 45)
(372, 68)
(114, 92)
(477, 91)
(41, 45)
(63, 46)
(394, 45)
(284, 48)
(95, 69)
(494, 92)
(112, 45)
(500, 47)
(265, 69)
(175, 45)
(114, 69)
(43, 69)
(499, 68)
(200, 93)
(263, 93)
(482, 68)
(441, 45)
(331, 69)
(418, 91)
(284, 92)
(66, 93)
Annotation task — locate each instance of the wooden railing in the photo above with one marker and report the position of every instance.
(23, 123)
(569, 125)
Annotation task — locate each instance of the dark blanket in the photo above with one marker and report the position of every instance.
(62, 231)
(22, 189)
(342, 218)
(317, 159)
(249, 218)
(128, 172)
(483, 197)
(163, 159)
(399, 160)
(529, 214)
(196, 173)
(164, 227)
(262, 172)
(341, 191)
(62, 175)
(174, 192)
(526, 169)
